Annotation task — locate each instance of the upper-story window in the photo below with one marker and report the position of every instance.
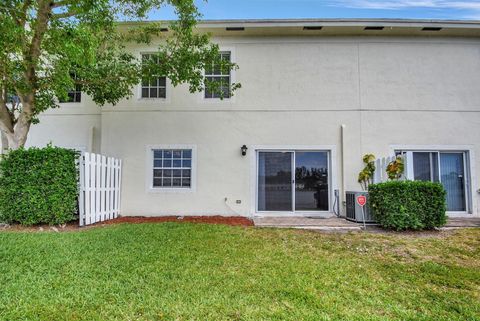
(220, 75)
(154, 87)
(75, 94)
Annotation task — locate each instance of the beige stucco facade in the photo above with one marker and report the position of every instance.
(398, 92)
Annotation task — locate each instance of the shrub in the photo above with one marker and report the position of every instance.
(402, 205)
(38, 185)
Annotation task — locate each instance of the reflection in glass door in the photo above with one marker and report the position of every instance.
(275, 181)
(311, 181)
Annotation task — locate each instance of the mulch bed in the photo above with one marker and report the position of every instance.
(72, 226)
(225, 220)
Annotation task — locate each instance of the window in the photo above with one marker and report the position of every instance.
(172, 168)
(447, 167)
(221, 76)
(155, 87)
(74, 95)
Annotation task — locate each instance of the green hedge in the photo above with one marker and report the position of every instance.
(38, 185)
(408, 205)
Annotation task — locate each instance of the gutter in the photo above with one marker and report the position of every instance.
(270, 23)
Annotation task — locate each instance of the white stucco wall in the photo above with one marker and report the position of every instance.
(295, 91)
(73, 125)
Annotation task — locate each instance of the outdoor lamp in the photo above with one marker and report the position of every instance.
(244, 150)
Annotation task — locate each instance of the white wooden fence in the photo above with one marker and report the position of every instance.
(100, 182)
(381, 164)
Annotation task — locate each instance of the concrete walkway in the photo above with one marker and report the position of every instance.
(328, 224)
(463, 222)
(341, 224)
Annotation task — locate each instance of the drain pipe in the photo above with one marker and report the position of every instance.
(342, 169)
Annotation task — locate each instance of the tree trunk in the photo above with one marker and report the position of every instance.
(17, 137)
(12, 143)
(4, 142)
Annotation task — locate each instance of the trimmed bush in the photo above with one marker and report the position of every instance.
(38, 185)
(408, 205)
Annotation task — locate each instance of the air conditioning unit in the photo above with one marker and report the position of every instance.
(354, 211)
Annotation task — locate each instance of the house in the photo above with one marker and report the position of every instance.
(316, 96)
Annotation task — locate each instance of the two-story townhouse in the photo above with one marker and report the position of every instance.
(316, 96)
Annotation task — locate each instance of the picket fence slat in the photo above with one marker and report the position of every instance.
(99, 190)
(381, 164)
(86, 182)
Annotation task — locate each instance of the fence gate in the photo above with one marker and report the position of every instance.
(100, 182)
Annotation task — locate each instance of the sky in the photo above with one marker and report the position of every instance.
(279, 9)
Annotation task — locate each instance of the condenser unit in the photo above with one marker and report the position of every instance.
(354, 211)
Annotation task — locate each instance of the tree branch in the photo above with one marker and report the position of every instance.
(25, 7)
(63, 15)
(6, 124)
(61, 3)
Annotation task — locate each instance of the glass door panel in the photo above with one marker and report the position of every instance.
(452, 177)
(275, 181)
(425, 166)
(311, 181)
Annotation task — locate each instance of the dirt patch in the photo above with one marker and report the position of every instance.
(224, 220)
(71, 226)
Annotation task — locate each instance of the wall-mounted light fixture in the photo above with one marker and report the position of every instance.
(244, 150)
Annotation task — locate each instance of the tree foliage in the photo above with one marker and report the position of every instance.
(365, 177)
(395, 168)
(44, 42)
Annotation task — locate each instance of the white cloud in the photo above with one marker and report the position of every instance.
(405, 4)
(472, 8)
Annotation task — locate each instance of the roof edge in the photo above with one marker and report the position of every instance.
(473, 24)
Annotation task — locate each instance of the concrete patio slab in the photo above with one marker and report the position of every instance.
(306, 223)
(463, 222)
(341, 224)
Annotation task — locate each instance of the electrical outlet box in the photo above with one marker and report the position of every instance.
(238, 201)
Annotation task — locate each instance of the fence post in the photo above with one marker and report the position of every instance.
(81, 190)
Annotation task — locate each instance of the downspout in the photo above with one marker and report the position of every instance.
(90, 139)
(342, 169)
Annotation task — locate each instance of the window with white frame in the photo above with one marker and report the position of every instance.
(75, 94)
(172, 168)
(220, 76)
(153, 87)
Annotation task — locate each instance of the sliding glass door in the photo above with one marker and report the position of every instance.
(452, 176)
(311, 181)
(445, 167)
(293, 181)
(275, 181)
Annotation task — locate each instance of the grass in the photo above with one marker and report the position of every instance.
(177, 271)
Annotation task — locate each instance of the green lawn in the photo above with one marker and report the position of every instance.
(204, 272)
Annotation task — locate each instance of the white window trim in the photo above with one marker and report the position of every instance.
(331, 149)
(233, 73)
(168, 87)
(149, 169)
(470, 166)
